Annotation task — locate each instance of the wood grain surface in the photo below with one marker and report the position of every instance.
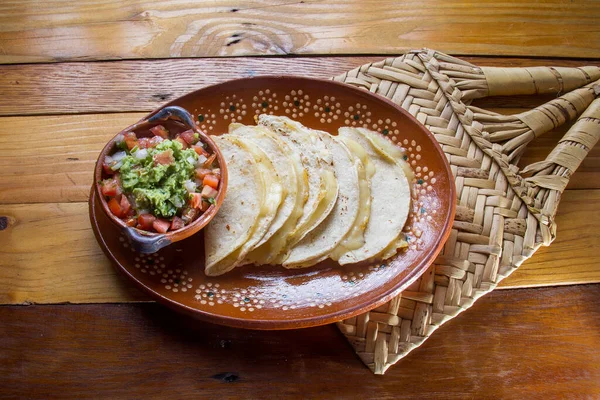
(75, 73)
(51, 245)
(524, 344)
(143, 85)
(57, 166)
(33, 31)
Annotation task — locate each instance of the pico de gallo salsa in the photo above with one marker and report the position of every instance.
(160, 184)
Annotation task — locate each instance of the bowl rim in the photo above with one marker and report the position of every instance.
(309, 321)
(201, 221)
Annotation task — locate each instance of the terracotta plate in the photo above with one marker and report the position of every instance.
(273, 297)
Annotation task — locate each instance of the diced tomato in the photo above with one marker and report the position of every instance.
(190, 137)
(125, 205)
(115, 207)
(208, 192)
(164, 158)
(143, 143)
(211, 180)
(200, 150)
(202, 172)
(208, 163)
(161, 225)
(204, 206)
(160, 130)
(131, 221)
(154, 141)
(130, 140)
(107, 169)
(195, 200)
(188, 214)
(177, 223)
(183, 142)
(145, 221)
(109, 187)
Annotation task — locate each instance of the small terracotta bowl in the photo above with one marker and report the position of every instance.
(176, 120)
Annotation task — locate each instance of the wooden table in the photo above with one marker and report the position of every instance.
(74, 73)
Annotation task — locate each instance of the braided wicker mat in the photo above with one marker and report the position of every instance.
(503, 214)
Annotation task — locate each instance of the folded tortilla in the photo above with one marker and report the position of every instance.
(320, 241)
(318, 163)
(355, 238)
(390, 199)
(273, 196)
(233, 225)
(278, 154)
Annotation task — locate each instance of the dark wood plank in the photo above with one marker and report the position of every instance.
(34, 31)
(143, 85)
(528, 343)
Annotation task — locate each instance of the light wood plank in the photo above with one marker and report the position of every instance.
(35, 31)
(142, 85)
(58, 165)
(49, 254)
(515, 344)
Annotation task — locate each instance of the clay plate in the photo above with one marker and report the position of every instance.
(270, 297)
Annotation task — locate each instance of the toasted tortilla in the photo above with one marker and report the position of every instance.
(271, 248)
(318, 163)
(320, 241)
(277, 153)
(355, 238)
(233, 225)
(396, 154)
(273, 196)
(390, 200)
(390, 151)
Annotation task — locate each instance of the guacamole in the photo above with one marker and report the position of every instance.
(155, 177)
(162, 182)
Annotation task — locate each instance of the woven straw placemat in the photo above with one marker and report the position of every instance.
(503, 214)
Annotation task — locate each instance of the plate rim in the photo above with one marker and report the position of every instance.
(309, 321)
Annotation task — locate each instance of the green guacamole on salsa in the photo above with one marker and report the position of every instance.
(159, 187)
(157, 183)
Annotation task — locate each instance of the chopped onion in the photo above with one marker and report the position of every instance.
(191, 160)
(120, 138)
(201, 160)
(190, 186)
(177, 202)
(108, 160)
(117, 165)
(141, 154)
(140, 212)
(119, 155)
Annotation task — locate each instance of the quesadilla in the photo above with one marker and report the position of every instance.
(390, 200)
(320, 241)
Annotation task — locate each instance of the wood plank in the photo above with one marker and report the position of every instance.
(522, 344)
(573, 255)
(34, 31)
(34, 256)
(143, 85)
(50, 255)
(57, 166)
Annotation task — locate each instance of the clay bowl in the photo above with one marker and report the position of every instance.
(271, 297)
(176, 120)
